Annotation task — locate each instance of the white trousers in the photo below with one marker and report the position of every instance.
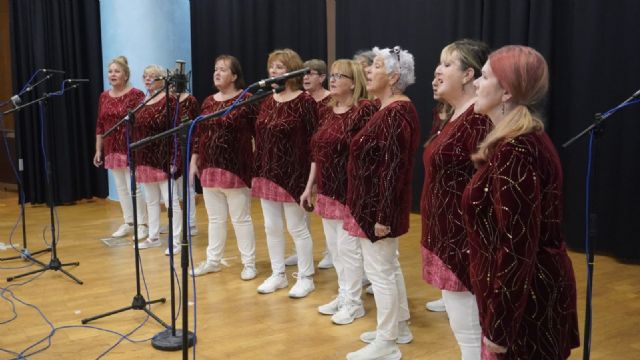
(122, 179)
(347, 259)
(382, 267)
(465, 322)
(192, 200)
(221, 203)
(152, 193)
(296, 219)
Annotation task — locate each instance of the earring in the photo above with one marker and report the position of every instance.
(502, 110)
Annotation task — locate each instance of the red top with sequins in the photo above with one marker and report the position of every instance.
(226, 142)
(283, 134)
(380, 169)
(520, 271)
(110, 111)
(447, 170)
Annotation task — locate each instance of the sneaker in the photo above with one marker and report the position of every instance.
(436, 305)
(302, 288)
(377, 350)
(205, 268)
(143, 232)
(248, 272)
(348, 313)
(331, 307)
(326, 262)
(176, 249)
(369, 290)
(149, 243)
(291, 260)
(164, 229)
(404, 334)
(273, 283)
(123, 230)
(193, 231)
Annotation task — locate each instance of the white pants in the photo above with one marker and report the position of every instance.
(221, 203)
(152, 193)
(192, 201)
(297, 225)
(347, 259)
(122, 179)
(465, 322)
(382, 267)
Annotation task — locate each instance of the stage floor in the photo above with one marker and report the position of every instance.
(233, 320)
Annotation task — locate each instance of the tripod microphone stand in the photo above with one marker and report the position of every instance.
(595, 131)
(138, 302)
(25, 254)
(171, 338)
(54, 263)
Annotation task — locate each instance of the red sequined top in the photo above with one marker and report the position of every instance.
(380, 169)
(520, 271)
(110, 111)
(226, 142)
(447, 170)
(283, 134)
(151, 120)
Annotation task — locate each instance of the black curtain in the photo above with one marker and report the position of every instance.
(250, 30)
(62, 35)
(591, 48)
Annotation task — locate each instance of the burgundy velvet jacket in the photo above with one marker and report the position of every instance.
(330, 147)
(447, 170)
(151, 120)
(283, 135)
(225, 142)
(110, 111)
(520, 271)
(380, 169)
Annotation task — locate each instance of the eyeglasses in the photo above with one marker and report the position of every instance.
(338, 76)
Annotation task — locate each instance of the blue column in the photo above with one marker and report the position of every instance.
(146, 32)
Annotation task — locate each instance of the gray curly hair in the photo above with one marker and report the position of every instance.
(399, 61)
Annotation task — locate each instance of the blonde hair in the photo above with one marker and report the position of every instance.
(122, 62)
(292, 61)
(523, 72)
(352, 69)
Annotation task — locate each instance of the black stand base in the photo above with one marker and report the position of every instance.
(138, 303)
(167, 341)
(54, 264)
(26, 255)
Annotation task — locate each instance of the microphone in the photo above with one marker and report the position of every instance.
(279, 79)
(179, 77)
(76, 80)
(52, 71)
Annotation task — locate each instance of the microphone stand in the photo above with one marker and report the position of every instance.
(173, 339)
(595, 131)
(138, 302)
(54, 263)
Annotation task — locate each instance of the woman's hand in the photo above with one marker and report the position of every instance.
(381, 230)
(492, 347)
(97, 159)
(305, 200)
(193, 170)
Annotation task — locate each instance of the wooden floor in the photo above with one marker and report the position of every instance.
(233, 321)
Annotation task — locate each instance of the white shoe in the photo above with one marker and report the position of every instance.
(369, 290)
(248, 272)
(404, 334)
(164, 229)
(205, 268)
(377, 350)
(273, 283)
(348, 313)
(326, 262)
(436, 305)
(302, 288)
(331, 307)
(176, 249)
(149, 243)
(193, 231)
(291, 260)
(123, 230)
(143, 232)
